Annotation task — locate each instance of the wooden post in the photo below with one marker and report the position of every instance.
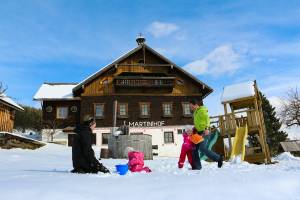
(144, 53)
(115, 107)
(263, 133)
(228, 133)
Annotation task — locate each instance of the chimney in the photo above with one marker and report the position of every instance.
(140, 39)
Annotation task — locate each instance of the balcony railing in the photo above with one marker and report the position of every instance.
(144, 82)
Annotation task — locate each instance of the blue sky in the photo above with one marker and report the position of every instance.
(220, 42)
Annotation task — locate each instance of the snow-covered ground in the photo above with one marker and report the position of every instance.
(43, 174)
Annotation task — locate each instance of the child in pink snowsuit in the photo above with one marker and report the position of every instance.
(186, 149)
(136, 162)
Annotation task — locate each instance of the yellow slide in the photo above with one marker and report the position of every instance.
(239, 142)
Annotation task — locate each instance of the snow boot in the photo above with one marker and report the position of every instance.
(78, 171)
(101, 168)
(220, 161)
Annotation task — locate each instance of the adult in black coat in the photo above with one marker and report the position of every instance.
(83, 155)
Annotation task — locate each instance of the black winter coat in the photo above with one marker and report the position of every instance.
(83, 155)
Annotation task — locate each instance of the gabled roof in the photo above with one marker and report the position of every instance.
(55, 91)
(9, 102)
(112, 64)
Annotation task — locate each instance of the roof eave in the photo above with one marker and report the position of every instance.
(79, 85)
(57, 99)
(12, 106)
(180, 69)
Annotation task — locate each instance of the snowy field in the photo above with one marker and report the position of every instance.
(43, 174)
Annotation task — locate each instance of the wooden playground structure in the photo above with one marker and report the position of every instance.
(242, 119)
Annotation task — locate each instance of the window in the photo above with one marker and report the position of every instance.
(105, 138)
(136, 133)
(167, 109)
(180, 131)
(123, 110)
(186, 109)
(99, 110)
(144, 109)
(62, 112)
(49, 109)
(168, 137)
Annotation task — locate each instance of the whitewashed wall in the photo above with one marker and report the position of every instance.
(157, 133)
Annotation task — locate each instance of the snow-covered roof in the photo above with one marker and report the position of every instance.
(55, 91)
(238, 91)
(291, 146)
(22, 136)
(10, 102)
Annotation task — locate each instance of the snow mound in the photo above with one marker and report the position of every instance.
(286, 156)
(236, 160)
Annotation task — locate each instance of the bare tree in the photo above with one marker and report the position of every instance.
(51, 126)
(290, 111)
(2, 88)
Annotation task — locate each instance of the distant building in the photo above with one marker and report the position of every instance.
(292, 146)
(142, 89)
(7, 113)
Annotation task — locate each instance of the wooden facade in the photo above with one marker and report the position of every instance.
(7, 113)
(134, 112)
(7, 116)
(50, 109)
(142, 76)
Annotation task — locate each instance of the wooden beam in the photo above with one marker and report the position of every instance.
(258, 104)
(228, 134)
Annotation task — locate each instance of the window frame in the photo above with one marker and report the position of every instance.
(126, 110)
(166, 139)
(57, 112)
(171, 109)
(103, 114)
(102, 134)
(183, 109)
(180, 131)
(141, 106)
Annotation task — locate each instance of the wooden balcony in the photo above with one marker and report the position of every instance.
(144, 82)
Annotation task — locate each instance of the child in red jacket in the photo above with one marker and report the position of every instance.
(186, 148)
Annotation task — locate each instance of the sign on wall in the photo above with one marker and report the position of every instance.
(144, 123)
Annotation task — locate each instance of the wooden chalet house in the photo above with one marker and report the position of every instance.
(8, 109)
(141, 89)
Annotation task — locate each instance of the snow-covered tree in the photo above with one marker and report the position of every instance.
(290, 112)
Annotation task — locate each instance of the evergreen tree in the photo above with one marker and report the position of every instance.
(29, 119)
(273, 125)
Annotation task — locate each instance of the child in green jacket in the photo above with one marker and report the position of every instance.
(201, 124)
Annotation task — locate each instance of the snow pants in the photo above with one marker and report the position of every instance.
(202, 147)
(186, 151)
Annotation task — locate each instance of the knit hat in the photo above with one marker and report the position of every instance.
(188, 128)
(88, 120)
